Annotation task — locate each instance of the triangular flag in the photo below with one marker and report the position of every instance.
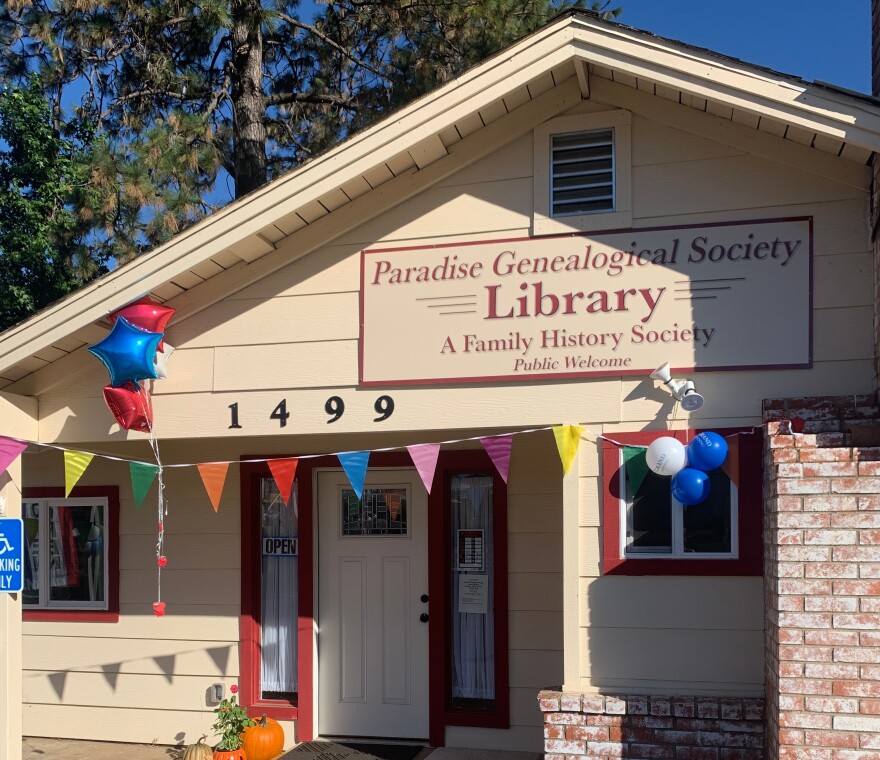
(214, 476)
(731, 464)
(355, 465)
(284, 471)
(142, 477)
(424, 456)
(75, 463)
(568, 438)
(636, 467)
(498, 448)
(9, 451)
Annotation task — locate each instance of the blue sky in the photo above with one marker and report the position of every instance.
(827, 40)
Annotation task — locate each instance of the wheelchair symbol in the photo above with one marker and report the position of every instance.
(5, 546)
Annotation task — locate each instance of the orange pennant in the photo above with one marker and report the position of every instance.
(214, 477)
(284, 471)
(731, 464)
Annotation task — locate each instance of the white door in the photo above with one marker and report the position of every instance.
(372, 573)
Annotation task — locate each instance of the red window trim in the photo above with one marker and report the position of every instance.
(440, 712)
(111, 614)
(443, 713)
(750, 511)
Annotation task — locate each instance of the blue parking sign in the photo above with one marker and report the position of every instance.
(11, 554)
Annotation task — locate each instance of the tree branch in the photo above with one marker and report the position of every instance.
(288, 98)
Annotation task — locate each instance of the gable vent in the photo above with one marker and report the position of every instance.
(582, 172)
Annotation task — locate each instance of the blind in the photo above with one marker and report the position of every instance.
(582, 172)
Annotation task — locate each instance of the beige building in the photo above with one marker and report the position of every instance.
(515, 251)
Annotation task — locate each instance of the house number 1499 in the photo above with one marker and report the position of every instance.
(334, 407)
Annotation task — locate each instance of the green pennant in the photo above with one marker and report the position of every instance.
(142, 477)
(636, 467)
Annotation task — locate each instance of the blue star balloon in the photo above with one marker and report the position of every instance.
(128, 352)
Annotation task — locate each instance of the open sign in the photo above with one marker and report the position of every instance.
(280, 547)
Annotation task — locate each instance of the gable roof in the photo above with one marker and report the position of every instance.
(504, 97)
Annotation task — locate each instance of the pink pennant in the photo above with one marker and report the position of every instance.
(424, 456)
(9, 451)
(284, 471)
(498, 448)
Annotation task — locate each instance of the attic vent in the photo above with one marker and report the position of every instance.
(582, 172)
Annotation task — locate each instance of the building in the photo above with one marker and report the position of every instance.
(514, 252)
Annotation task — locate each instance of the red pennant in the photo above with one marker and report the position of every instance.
(284, 471)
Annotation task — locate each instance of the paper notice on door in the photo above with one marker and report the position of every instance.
(471, 550)
(473, 593)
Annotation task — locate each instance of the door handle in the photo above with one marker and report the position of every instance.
(424, 598)
(423, 617)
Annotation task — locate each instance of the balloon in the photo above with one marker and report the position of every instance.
(161, 361)
(131, 406)
(690, 486)
(146, 315)
(666, 455)
(127, 352)
(707, 451)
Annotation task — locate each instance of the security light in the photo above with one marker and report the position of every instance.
(682, 391)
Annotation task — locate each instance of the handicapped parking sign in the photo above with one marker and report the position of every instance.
(11, 554)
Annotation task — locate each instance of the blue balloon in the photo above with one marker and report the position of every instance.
(690, 486)
(707, 451)
(128, 352)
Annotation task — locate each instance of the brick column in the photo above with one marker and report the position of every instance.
(822, 582)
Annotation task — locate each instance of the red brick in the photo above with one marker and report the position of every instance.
(857, 588)
(804, 686)
(565, 719)
(791, 702)
(650, 721)
(855, 754)
(604, 720)
(814, 485)
(637, 705)
(825, 455)
(830, 503)
(803, 520)
(791, 736)
(789, 636)
(858, 620)
(869, 468)
(856, 689)
(831, 670)
(869, 639)
(857, 654)
(830, 537)
(570, 703)
(788, 470)
(696, 753)
(805, 654)
(779, 456)
(794, 670)
(805, 753)
(803, 553)
(804, 587)
(869, 570)
(804, 720)
(834, 469)
(869, 537)
(832, 638)
(869, 706)
(587, 733)
(785, 570)
(854, 485)
(633, 734)
(593, 704)
(605, 749)
(780, 441)
(831, 604)
(740, 754)
(785, 504)
(831, 570)
(790, 537)
(565, 746)
(707, 707)
(831, 739)
(854, 553)
(832, 704)
(807, 620)
(651, 751)
(856, 519)
(870, 672)
(554, 732)
(868, 503)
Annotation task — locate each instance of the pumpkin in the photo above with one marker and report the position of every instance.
(230, 754)
(198, 751)
(264, 740)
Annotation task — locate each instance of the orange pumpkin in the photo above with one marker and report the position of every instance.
(230, 754)
(264, 740)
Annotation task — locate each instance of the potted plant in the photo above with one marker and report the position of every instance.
(232, 719)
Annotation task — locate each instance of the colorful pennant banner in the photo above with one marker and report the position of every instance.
(355, 465)
(9, 452)
(214, 478)
(75, 463)
(636, 467)
(568, 439)
(498, 448)
(142, 477)
(424, 457)
(284, 471)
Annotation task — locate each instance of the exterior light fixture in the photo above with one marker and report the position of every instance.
(682, 391)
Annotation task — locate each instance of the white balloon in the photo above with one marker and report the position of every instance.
(161, 362)
(666, 456)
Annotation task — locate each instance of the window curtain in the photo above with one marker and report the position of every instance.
(473, 666)
(279, 607)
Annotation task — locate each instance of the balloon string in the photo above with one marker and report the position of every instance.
(161, 505)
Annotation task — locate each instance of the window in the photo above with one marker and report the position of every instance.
(381, 512)
(71, 554)
(582, 173)
(647, 532)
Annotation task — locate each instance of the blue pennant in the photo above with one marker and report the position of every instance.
(128, 353)
(355, 465)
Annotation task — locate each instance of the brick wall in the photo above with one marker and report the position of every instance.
(651, 728)
(822, 581)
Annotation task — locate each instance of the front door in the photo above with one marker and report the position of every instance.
(372, 575)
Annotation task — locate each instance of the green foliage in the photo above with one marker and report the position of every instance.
(43, 254)
(232, 719)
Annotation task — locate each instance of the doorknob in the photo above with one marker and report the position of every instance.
(424, 617)
(424, 598)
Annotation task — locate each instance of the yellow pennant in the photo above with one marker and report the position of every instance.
(568, 438)
(75, 463)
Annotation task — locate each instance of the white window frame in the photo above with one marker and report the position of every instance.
(677, 528)
(44, 504)
(543, 221)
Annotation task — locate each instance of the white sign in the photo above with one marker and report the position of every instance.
(11, 554)
(473, 593)
(471, 550)
(710, 297)
(280, 547)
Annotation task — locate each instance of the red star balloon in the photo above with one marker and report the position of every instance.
(147, 315)
(131, 406)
